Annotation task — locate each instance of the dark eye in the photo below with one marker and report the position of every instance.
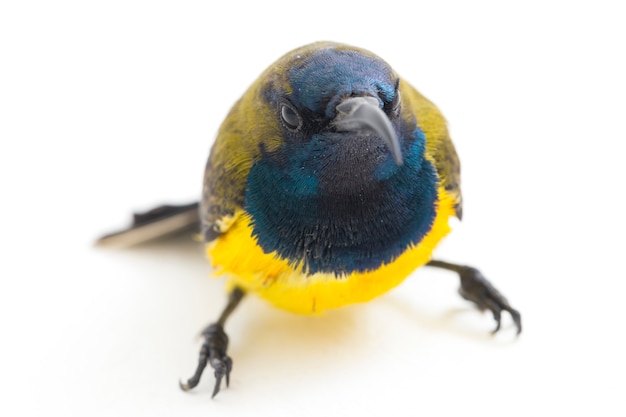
(393, 107)
(395, 103)
(290, 117)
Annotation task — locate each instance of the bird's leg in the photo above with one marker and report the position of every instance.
(476, 288)
(214, 348)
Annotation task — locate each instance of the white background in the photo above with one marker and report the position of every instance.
(110, 107)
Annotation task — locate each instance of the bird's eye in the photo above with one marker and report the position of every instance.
(290, 117)
(395, 103)
(393, 107)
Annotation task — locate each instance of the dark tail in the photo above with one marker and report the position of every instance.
(152, 224)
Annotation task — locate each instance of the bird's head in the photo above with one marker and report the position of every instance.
(338, 179)
(335, 114)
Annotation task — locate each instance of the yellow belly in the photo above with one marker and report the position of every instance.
(236, 255)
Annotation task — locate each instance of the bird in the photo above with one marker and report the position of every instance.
(329, 182)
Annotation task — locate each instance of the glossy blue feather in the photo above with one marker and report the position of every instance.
(319, 82)
(337, 201)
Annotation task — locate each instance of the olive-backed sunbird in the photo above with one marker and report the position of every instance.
(330, 181)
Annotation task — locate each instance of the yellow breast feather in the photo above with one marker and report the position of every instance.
(237, 255)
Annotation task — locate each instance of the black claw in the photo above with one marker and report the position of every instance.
(213, 351)
(517, 319)
(497, 316)
(218, 383)
(476, 288)
(184, 387)
(229, 367)
(195, 379)
(222, 368)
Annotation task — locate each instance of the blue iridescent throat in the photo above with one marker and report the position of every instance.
(300, 213)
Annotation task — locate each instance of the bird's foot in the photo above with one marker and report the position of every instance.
(213, 352)
(476, 288)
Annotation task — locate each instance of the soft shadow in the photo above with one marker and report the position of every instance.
(272, 329)
(453, 321)
(182, 245)
(314, 343)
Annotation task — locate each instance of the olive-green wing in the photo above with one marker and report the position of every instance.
(249, 127)
(225, 175)
(438, 143)
(234, 151)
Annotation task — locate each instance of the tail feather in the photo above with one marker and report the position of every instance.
(155, 223)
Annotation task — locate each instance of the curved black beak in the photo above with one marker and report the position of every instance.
(364, 113)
